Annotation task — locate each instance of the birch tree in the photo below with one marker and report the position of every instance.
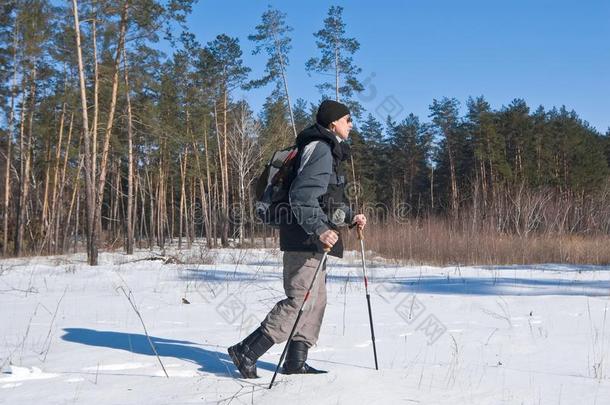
(245, 154)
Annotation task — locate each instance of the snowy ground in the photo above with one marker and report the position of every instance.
(469, 335)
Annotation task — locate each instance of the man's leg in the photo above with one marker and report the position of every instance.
(308, 333)
(309, 329)
(299, 268)
(298, 272)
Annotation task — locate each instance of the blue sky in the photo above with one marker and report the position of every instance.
(549, 53)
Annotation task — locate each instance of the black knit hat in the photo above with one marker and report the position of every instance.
(330, 111)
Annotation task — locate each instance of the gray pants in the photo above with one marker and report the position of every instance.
(299, 268)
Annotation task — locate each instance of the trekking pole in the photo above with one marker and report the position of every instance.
(368, 295)
(366, 280)
(294, 327)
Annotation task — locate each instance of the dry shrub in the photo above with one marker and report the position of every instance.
(433, 240)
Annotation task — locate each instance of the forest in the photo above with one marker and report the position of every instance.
(108, 143)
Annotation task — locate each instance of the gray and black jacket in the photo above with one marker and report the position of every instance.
(317, 193)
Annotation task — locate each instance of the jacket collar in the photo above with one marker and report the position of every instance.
(318, 132)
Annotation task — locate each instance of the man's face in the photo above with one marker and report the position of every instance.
(342, 126)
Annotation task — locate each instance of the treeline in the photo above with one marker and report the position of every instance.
(511, 169)
(106, 142)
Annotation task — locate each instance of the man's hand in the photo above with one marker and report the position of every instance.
(360, 220)
(329, 238)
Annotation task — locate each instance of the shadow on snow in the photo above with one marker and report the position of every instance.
(210, 361)
(503, 286)
(490, 284)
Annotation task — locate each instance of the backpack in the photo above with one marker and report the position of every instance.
(273, 185)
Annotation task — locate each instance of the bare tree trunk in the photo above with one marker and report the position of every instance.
(192, 233)
(9, 147)
(204, 204)
(219, 203)
(74, 200)
(211, 231)
(51, 229)
(118, 193)
(166, 227)
(285, 81)
(76, 226)
(242, 209)
(222, 157)
(153, 210)
(136, 207)
(182, 199)
(172, 224)
(45, 220)
(89, 167)
(337, 74)
(96, 91)
(26, 154)
(60, 242)
(109, 127)
(432, 189)
(204, 199)
(143, 232)
(7, 184)
(216, 206)
(491, 176)
(130, 196)
(21, 144)
(185, 202)
(50, 207)
(454, 189)
(161, 223)
(251, 221)
(168, 188)
(225, 197)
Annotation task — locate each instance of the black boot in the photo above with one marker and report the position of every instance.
(245, 353)
(295, 360)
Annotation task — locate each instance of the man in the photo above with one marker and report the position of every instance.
(317, 208)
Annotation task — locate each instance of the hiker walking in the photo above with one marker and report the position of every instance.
(316, 208)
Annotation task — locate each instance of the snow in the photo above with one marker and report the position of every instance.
(452, 335)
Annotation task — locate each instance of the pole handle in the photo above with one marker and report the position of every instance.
(360, 232)
(326, 248)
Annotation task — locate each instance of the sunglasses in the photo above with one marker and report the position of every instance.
(348, 119)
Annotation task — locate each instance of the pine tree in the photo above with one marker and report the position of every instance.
(369, 153)
(276, 132)
(8, 95)
(606, 146)
(445, 118)
(410, 150)
(516, 129)
(7, 30)
(580, 163)
(336, 52)
(34, 25)
(489, 164)
(303, 116)
(272, 36)
(540, 132)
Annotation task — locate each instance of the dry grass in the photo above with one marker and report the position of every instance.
(435, 241)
